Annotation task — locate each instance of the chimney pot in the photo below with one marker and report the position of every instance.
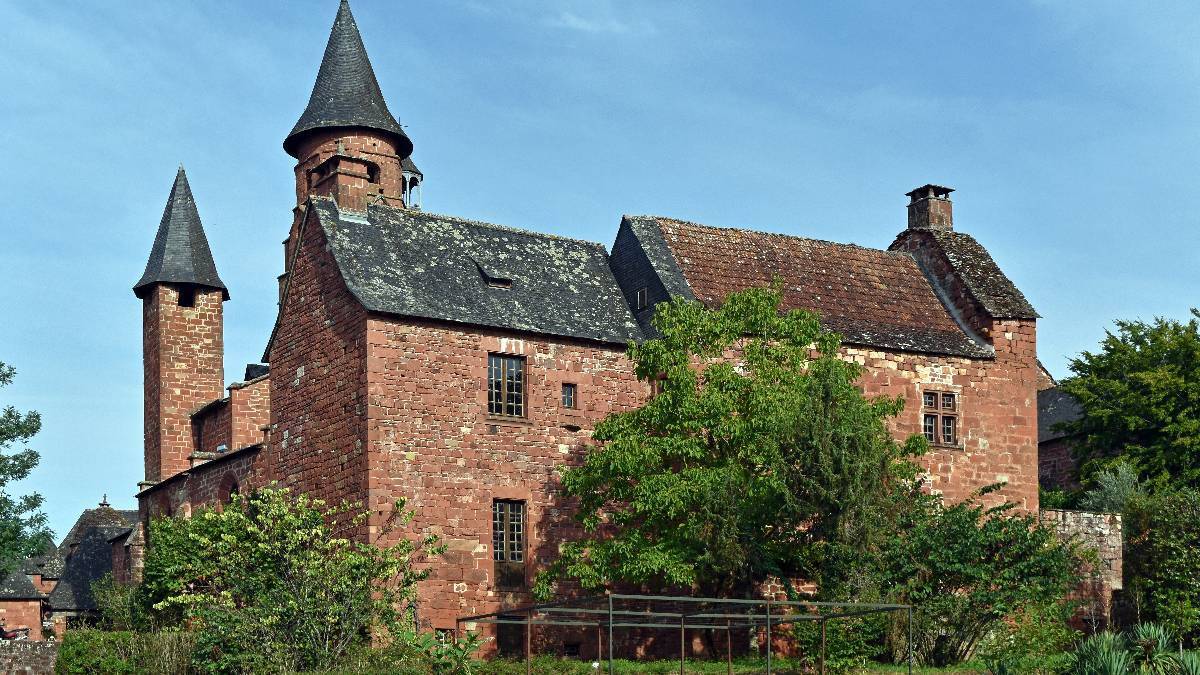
(930, 208)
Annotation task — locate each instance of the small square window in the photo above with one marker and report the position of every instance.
(931, 399)
(570, 395)
(948, 401)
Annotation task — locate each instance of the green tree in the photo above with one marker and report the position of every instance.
(271, 582)
(770, 463)
(23, 530)
(967, 567)
(1162, 560)
(1140, 395)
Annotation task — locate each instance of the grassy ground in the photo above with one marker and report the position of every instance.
(744, 666)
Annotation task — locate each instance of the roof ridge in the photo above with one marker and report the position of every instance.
(768, 234)
(483, 223)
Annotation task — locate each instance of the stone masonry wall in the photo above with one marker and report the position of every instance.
(28, 658)
(1057, 466)
(250, 411)
(211, 429)
(318, 384)
(22, 614)
(183, 363)
(432, 440)
(207, 483)
(997, 420)
(1100, 532)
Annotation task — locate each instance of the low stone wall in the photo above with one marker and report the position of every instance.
(34, 658)
(1100, 532)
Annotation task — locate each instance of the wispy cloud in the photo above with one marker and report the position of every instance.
(598, 24)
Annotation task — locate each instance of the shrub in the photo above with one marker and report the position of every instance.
(849, 643)
(272, 581)
(1161, 560)
(967, 567)
(94, 651)
(1036, 640)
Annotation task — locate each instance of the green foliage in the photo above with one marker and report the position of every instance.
(772, 463)
(966, 567)
(23, 530)
(1140, 395)
(1162, 560)
(850, 644)
(1102, 654)
(1113, 488)
(272, 582)
(1189, 663)
(119, 605)
(1150, 646)
(1035, 640)
(102, 652)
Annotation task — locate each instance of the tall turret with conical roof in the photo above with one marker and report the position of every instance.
(182, 341)
(347, 144)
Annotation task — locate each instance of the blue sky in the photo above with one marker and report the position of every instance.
(1070, 131)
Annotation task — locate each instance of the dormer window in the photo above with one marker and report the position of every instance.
(492, 277)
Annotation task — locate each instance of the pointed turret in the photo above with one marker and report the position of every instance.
(346, 93)
(180, 254)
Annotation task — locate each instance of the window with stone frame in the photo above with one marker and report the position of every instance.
(506, 385)
(508, 542)
(940, 415)
(570, 395)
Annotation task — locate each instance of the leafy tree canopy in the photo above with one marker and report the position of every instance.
(23, 529)
(272, 583)
(1140, 394)
(769, 463)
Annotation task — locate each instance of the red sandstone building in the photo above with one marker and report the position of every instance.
(459, 363)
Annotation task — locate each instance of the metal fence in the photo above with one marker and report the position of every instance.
(608, 613)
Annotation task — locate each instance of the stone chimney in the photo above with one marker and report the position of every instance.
(930, 208)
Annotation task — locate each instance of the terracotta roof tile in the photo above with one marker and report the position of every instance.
(872, 297)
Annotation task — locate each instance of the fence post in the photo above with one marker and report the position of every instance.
(610, 634)
(910, 640)
(682, 642)
(529, 643)
(729, 646)
(769, 671)
(822, 646)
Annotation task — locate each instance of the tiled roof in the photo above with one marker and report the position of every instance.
(982, 276)
(49, 563)
(90, 560)
(346, 93)
(180, 253)
(18, 586)
(424, 265)
(1055, 407)
(872, 297)
(103, 516)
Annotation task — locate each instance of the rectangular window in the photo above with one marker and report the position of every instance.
(643, 298)
(508, 542)
(569, 395)
(506, 385)
(939, 421)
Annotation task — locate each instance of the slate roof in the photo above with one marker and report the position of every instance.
(180, 253)
(1055, 407)
(346, 93)
(102, 516)
(872, 297)
(982, 276)
(424, 265)
(90, 560)
(18, 586)
(49, 563)
(409, 166)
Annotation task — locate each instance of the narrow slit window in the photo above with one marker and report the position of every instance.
(643, 298)
(570, 394)
(506, 385)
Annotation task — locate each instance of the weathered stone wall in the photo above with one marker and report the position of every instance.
(205, 484)
(28, 658)
(1057, 467)
(997, 418)
(22, 614)
(1100, 532)
(318, 388)
(250, 411)
(212, 428)
(431, 439)
(182, 349)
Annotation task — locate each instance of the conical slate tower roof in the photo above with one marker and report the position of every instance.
(346, 93)
(180, 254)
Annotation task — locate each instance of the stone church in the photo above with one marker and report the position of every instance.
(457, 363)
